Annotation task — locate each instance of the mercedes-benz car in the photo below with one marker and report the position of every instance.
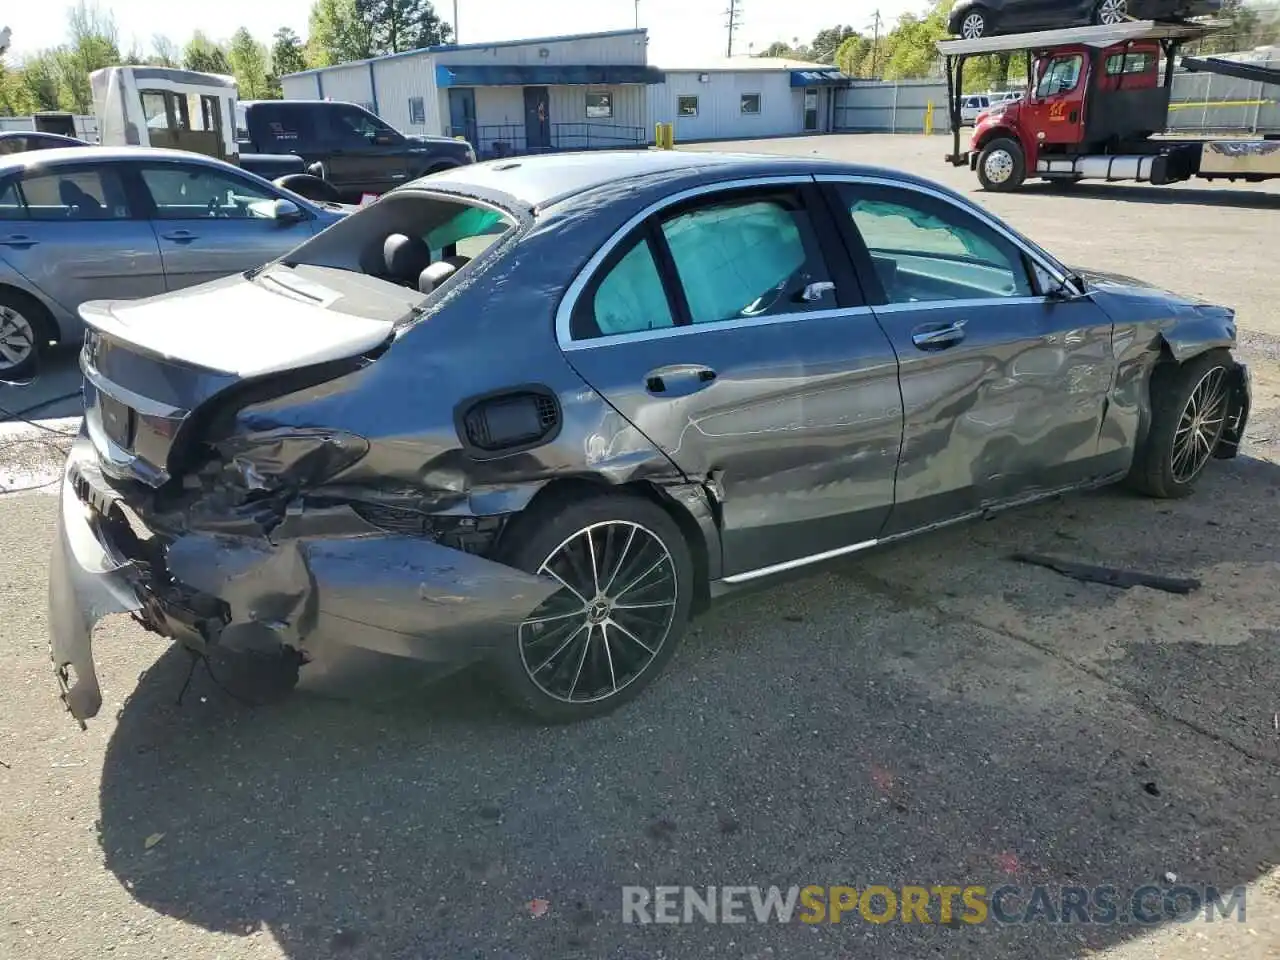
(538, 412)
(971, 19)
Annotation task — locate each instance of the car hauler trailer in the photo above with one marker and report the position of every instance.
(1097, 101)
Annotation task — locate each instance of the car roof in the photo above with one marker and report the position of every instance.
(541, 180)
(58, 156)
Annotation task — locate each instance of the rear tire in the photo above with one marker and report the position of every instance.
(1110, 12)
(1189, 407)
(975, 24)
(1001, 166)
(26, 329)
(600, 640)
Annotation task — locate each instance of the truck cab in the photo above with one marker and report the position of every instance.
(1082, 99)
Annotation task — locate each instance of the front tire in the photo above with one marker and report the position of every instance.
(1001, 165)
(1111, 12)
(1189, 407)
(627, 590)
(975, 24)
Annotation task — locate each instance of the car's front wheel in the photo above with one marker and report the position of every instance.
(626, 589)
(1111, 12)
(975, 24)
(1189, 409)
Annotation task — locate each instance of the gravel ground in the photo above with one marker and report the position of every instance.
(930, 713)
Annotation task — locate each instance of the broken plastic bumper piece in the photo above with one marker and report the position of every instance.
(352, 602)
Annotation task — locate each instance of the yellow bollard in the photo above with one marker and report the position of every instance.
(664, 136)
(671, 136)
(928, 118)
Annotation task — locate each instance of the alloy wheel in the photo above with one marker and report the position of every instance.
(974, 25)
(17, 338)
(998, 166)
(1200, 426)
(608, 621)
(1111, 12)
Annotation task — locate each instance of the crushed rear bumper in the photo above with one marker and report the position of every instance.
(347, 602)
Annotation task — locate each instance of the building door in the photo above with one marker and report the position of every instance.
(810, 110)
(462, 114)
(537, 119)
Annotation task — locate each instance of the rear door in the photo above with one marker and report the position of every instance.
(728, 329)
(76, 235)
(1004, 388)
(209, 221)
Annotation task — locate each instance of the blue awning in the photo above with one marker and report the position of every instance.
(819, 78)
(493, 75)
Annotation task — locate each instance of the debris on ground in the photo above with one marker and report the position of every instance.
(1109, 576)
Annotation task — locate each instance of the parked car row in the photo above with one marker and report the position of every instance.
(974, 105)
(537, 414)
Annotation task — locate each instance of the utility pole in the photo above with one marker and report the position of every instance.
(735, 21)
(875, 41)
(455, 21)
(637, 14)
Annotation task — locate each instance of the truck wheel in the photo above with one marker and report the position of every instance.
(1001, 165)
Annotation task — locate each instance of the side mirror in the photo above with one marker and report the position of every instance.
(285, 211)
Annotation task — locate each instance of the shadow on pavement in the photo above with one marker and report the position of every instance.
(822, 733)
(1239, 197)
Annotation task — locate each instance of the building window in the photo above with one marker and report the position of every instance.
(599, 106)
(686, 106)
(751, 103)
(417, 110)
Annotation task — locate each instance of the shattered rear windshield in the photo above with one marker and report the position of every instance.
(389, 258)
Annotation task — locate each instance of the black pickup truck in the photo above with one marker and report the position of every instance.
(344, 144)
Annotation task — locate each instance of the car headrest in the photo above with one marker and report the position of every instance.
(405, 257)
(434, 275)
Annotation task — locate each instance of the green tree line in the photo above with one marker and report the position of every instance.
(339, 31)
(907, 49)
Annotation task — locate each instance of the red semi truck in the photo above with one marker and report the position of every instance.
(1096, 107)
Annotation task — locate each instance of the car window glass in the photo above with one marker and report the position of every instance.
(1060, 76)
(355, 126)
(12, 145)
(188, 192)
(11, 207)
(744, 259)
(630, 297)
(283, 128)
(70, 194)
(1129, 63)
(923, 250)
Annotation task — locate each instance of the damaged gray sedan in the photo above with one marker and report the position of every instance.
(538, 412)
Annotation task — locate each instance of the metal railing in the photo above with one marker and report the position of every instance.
(493, 140)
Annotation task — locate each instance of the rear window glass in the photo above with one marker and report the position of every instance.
(1129, 63)
(393, 243)
(76, 195)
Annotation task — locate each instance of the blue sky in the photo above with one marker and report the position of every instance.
(679, 30)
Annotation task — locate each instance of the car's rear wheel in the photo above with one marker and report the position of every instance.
(25, 330)
(1111, 12)
(1001, 165)
(976, 23)
(1189, 408)
(626, 590)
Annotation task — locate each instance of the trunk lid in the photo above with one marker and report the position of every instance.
(150, 365)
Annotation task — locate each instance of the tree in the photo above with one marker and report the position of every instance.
(249, 64)
(398, 25)
(166, 52)
(287, 55)
(39, 82)
(337, 34)
(777, 49)
(853, 57)
(828, 41)
(204, 55)
(93, 44)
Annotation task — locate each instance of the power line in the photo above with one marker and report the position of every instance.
(875, 41)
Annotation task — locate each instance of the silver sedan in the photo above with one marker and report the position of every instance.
(93, 223)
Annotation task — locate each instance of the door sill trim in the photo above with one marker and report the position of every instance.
(798, 562)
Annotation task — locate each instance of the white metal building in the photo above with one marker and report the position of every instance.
(746, 97)
(569, 92)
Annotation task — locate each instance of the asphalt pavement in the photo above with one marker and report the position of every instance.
(932, 713)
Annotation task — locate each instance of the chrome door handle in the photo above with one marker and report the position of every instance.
(939, 336)
(678, 379)
(179, 236)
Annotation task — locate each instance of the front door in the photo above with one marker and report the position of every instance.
(537, 119)
(743, 362)
(74, 233)
(462, 114)
(810, 110)
(1004, 388)
(1055, 111)
(212, 223)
